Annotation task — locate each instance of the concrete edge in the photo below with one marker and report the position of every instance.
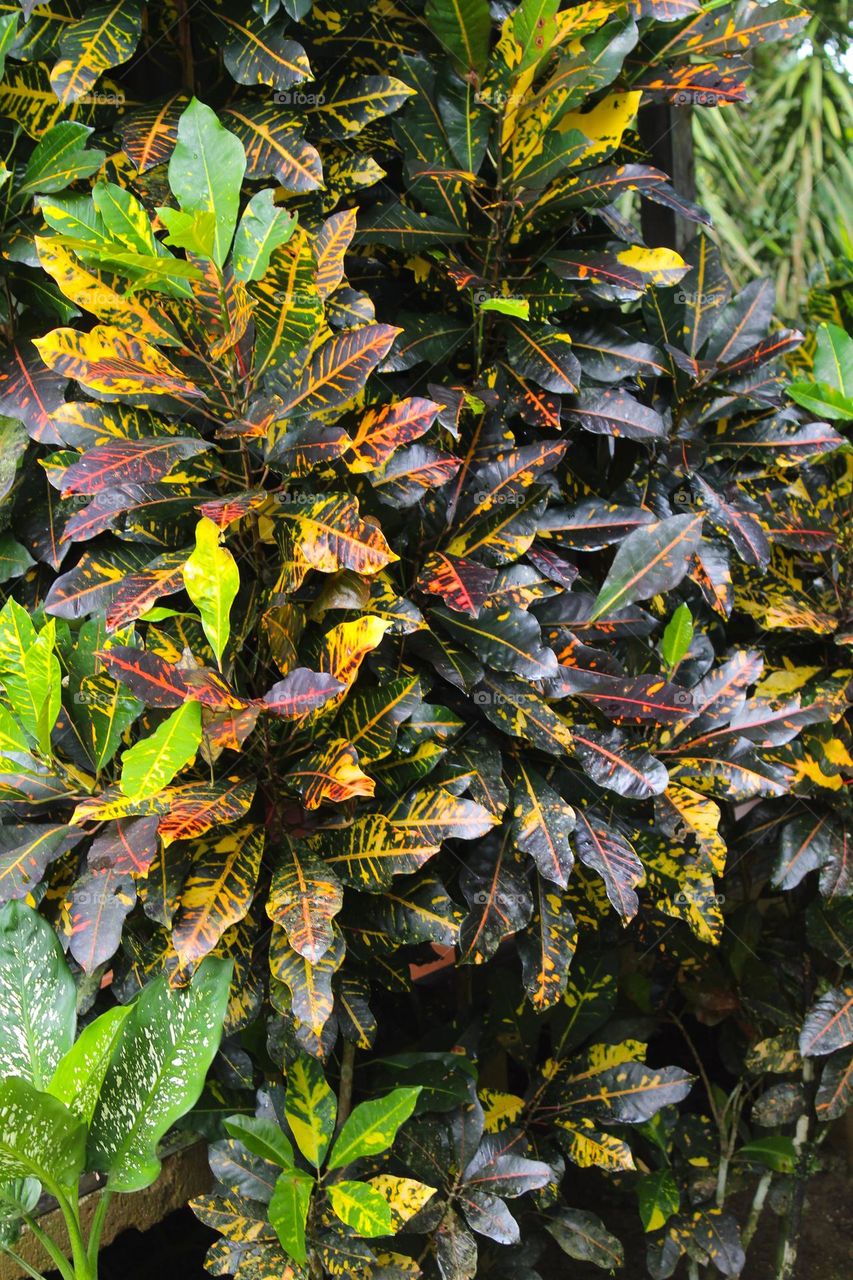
(185, 1174)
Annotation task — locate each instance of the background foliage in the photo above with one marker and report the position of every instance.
(424, 593)
(775, 174)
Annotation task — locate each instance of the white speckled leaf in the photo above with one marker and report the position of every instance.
(39, 1137)
(38, 999)
(78, 1078)
(157, 1074)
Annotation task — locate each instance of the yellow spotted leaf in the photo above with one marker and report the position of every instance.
(109, 360)
(218, 891)
(405, 1196)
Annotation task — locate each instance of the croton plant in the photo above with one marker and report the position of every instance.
(421, 591)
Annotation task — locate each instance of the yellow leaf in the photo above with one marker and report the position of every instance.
(118, 363)
(212, 580)
(500, 1109)
(405, 1196)
(599, 1056)
(90, 293)
(604, 124)
(587, 1146)
(662, 266)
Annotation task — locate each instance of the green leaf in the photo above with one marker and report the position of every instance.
(677, 637)
(80, 1074)
(13, 446)
(823, 400)
(193, 231)
(833, 362)
(361, 1207)
(263, 1138)
(533, 25)
(59, 159)
(17, 634)
(30, 673)
(212, 580)
(310, 1108)
(8, 33)
(15, 559)
(288, 1211)
(153, 762)
(16, 1198)
(504, 639)
(157, 1074)
(776, 1152)
(463, 28)
(37, 996)
(124, 218)
(650, 560)
(205, 172)
(258, 53)
(371, 1127)
(102, 711)
(263, 227)
(658, 1199)
(508, 307)
(39, 1137)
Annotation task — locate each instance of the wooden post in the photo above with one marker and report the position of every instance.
(666, 134)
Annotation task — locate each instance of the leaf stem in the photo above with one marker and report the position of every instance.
(70, 1211)
(19, 1262)
(97, 1227)
(50, 1247)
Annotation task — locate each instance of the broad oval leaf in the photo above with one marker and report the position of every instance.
(371, 1127)
(168, 1043)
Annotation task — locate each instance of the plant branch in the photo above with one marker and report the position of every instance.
(345, 1089)
(758, 1202)
(700, 1066)
(786, 1256)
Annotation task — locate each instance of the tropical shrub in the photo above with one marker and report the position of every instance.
(99, 1102)
(422, 593)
